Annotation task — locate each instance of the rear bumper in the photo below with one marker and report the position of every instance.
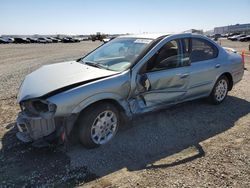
(237, 76)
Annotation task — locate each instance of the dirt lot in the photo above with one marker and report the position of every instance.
(190, 145)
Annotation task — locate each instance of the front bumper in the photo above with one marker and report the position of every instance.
(32, 128)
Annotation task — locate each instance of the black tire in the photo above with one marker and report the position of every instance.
(213, 97)
(87, 119)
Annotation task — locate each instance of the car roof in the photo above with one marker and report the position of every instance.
(145, 36)
(158, 35)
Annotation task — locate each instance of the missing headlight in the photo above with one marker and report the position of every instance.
(40, 106)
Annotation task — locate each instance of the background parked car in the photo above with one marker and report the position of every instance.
(58, 38)
(232, 34)
(53, 39)
(108, 39)
(3, 41)
(84, 38)
(8, 39)
(224, 35)
(66, 40)
(44, 40)
(69, 40)
(244, 39)
(240, 36)
(21, 40)
(32, 40)
(48, 40)
(236, 37)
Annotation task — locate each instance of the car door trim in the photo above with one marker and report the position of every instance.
(201, 84)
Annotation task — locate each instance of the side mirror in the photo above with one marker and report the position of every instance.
(143, 83)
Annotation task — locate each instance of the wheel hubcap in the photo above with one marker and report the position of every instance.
(221, 90)
(104, 127)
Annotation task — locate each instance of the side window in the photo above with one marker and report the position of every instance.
(168, 57)
(202, 50)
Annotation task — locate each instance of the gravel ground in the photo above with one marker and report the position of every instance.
(194, 144)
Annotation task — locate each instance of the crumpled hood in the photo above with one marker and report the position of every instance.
(56, 76)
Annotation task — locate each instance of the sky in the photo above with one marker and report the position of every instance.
(118, 16)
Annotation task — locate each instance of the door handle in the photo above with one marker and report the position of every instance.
(217, 66)
(184, 75)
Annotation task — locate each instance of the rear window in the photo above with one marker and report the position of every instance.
(202, 50)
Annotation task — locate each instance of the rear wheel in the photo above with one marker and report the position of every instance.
(220, 90)
(98, 124)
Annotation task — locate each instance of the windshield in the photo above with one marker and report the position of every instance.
(118, 54)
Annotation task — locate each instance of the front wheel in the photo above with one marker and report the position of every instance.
(98, 124)
(220, 90)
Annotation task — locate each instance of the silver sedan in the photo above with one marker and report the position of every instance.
(91, 97)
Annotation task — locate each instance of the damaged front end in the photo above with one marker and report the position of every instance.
(36, 122)
(50, 104)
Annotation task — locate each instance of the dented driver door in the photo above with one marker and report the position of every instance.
(162, 87)
(163, 79)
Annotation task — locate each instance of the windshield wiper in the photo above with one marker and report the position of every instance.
(98, 65)
(93, 64)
